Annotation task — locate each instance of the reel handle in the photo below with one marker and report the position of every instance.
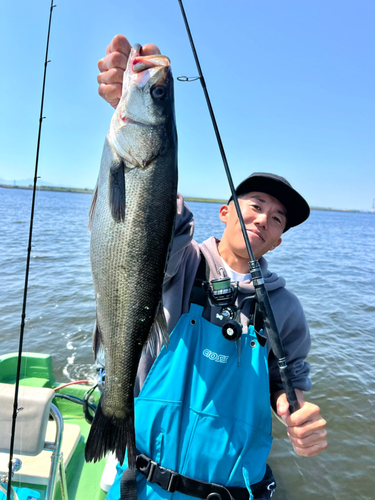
(232, 330)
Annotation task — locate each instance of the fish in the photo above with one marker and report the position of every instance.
(131, 222)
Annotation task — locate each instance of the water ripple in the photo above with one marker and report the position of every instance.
(328, 262)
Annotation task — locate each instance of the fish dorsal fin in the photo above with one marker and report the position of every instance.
(92, 208)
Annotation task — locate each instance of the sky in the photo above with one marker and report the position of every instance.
(291, 82)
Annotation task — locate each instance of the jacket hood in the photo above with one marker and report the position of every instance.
(271, 280)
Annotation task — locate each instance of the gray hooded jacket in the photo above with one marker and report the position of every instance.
(182, 267)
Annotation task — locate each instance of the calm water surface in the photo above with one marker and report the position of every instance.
(328, 262)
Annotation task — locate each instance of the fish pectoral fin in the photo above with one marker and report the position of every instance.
(117, 199)
(92, 208)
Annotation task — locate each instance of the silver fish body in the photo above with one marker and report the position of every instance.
(132, 220)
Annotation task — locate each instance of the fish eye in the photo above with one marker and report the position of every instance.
(158, 92)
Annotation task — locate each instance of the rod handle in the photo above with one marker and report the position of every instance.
(289, 390)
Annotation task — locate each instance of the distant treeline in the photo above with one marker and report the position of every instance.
(187, 198)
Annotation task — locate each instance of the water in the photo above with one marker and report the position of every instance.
(328, 262)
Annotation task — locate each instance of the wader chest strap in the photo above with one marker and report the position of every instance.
(198, 294)
(172, 481)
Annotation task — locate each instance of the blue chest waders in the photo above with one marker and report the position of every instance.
(202, 415)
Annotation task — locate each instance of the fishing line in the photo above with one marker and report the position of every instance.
(254, 267)
(23, 315)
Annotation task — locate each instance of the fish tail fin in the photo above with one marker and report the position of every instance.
(110, 434)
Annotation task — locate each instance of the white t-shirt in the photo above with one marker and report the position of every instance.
(234, 275)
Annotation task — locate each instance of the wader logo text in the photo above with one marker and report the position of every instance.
(220, 358)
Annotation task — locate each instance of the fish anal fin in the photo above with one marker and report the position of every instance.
(117, 199)
(96, 339)
(161, 324)
(159, 332)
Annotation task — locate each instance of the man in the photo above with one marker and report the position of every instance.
(202, 407)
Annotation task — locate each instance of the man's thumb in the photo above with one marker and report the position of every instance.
(282, 405)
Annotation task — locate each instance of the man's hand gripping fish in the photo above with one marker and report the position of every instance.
(131, 221)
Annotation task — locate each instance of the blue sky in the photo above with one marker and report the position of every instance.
(292, 84)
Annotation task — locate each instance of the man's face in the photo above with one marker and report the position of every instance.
(265, 220)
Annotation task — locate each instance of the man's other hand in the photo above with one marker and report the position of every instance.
(306, 427)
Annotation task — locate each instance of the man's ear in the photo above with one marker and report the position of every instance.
(223, 214)
(279, 241)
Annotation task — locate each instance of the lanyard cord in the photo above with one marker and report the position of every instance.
(18, 375)
(254, 267)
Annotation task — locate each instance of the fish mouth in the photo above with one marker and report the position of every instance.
(144, 63)
(143, 68)
(128, 120)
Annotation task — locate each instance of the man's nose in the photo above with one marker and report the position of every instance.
(262, 220)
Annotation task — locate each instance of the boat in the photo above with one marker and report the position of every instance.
(52, 426)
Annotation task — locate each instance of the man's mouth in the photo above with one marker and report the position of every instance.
(257, 233)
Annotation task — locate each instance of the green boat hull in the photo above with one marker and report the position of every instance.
(83, 479)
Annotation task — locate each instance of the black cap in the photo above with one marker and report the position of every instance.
(297, 207)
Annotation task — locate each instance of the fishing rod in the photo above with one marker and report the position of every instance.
(23, 315)
(261, 293)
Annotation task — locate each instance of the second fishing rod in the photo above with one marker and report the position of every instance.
(261, 293)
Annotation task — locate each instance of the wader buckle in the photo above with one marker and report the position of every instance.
(165, 478)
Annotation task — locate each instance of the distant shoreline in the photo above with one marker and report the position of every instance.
(49, 188)
(187, 198)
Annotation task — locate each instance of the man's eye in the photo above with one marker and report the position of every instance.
(277, 220)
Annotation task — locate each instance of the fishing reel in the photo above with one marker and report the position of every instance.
(222, 292)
